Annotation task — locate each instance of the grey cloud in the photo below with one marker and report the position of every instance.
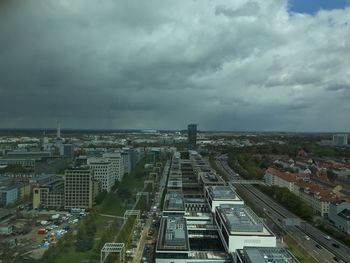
(338, 87)
(161, 64)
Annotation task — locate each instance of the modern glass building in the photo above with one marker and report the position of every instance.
(192, 136)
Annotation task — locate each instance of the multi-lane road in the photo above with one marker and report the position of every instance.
(311, 238)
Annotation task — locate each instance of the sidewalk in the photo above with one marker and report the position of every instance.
(141, 245)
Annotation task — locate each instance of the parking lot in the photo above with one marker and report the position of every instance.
(33, 232)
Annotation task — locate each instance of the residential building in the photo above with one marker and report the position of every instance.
(279, 178)
(80, 188)
(103, 172)
(240, 227)
(318, 197)
(339, 214)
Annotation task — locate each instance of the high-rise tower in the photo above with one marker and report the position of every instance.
(58, 129)
(192, 136)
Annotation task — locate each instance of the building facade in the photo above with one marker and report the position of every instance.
(49, 195)
(339, 214)
(79, 188)
(8, 195)
(103, 172)
(192, 136)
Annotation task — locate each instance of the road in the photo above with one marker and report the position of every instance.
(141, 245)
(279, 212)
(156, 203)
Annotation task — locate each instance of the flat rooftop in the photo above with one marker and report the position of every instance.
(240, 219)
(266, 255)
(222, 193)
(173, 234)
(174, 201)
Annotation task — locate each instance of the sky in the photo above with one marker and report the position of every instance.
(240, 65)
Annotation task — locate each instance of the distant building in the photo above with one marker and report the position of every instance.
(126, 161)
(192, 136)
(339, 214)
(67, 150)
(340, 139)
(8, 195)
(80, 188)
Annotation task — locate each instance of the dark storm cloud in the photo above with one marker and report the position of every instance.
(163, 64)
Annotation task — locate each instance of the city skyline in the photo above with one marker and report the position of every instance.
(228, 65)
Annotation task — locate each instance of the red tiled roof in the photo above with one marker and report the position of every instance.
(290, 177)
(325, 193)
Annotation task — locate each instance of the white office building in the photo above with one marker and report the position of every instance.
(219, 195)
(240, 227)
(117, 164)
(103, 169)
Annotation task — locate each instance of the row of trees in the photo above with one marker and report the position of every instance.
(86, 234)
(289, 200)
(291, 148)
(247, 165)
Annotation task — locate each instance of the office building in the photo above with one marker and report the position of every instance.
(239, 227)
(172, 240)
(117, 164)
(219, 195)
(103, 172)
(126, 161)
(174, 203)
(80, 188)
(192, 136)
(264, 255)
